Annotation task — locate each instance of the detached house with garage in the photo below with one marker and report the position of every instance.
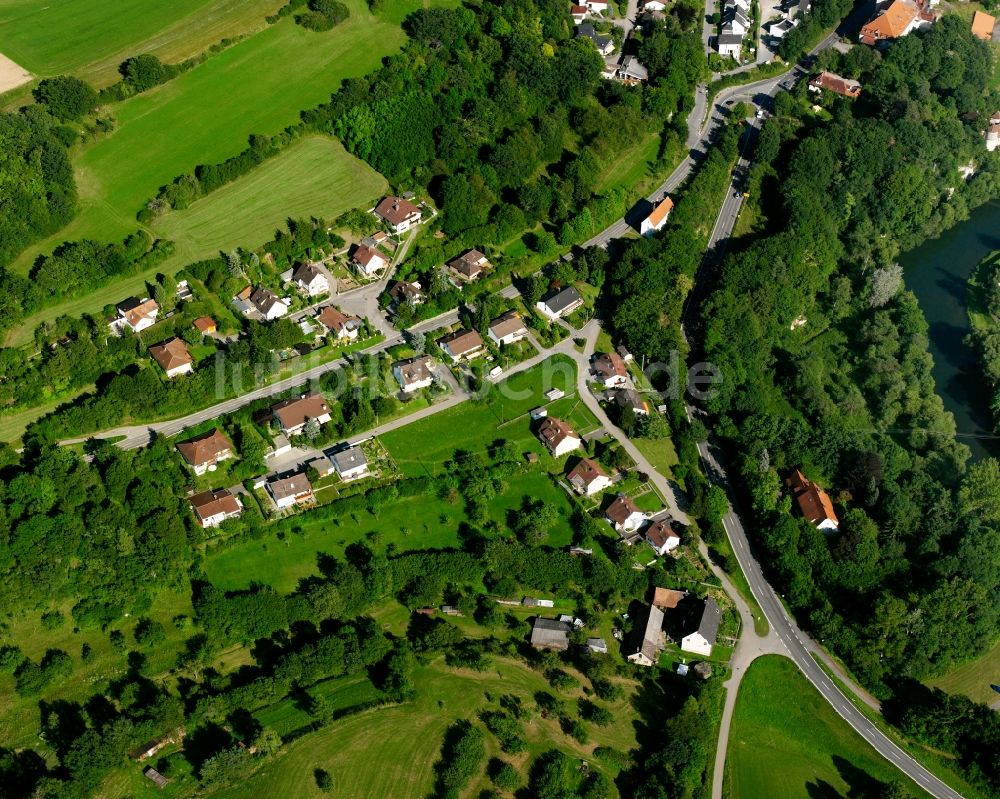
(294, 414)
(609, 369)
(397, 213)
(290, 491)
(413, 374)
(203, 453)
(558, 437)
(813, 502)
(461, 345)
(588, 478)
(507, 329)
(467, 267)
(350, 463)
(135, 315)
(212, 508)
(309, 280)
(173, 357)
(624, 515)
(368, 260)
(339, 325)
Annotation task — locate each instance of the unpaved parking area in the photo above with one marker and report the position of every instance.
(11, 75)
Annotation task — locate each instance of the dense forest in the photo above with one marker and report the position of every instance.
(824, 355)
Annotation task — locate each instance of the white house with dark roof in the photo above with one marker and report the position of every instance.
(624, 515)
(701, 636)
(350, 463)
(310, 280)
(413, 374)
(558, 437)
(369, 260)
(588, 478)
(662, 538)
(560, 303)
(204, 452)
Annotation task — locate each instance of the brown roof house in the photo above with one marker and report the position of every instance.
(982, 26)
(413, 374)
(814, 503)
(212, 508)
(845, 87)
(558, 437)
(403, 291)
(657, 217)
(173, 357)
(204, 325)
(624, 515)
(340, 325)
(588, 478)
(668, 598)
(397, 213)
(507, 329)
(609, 369)
(293, 414)
(468, 267)
(550, 634)
(662, 538)
(369, 260)
(462, 344)
(203, 453)
(647, 640)
(135, 315)
(310, 280)
(289, 491)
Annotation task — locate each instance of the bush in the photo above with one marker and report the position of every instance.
(504, 775)
(66, 97)
(143, 72)
(53, 620)
(10, 658)
(324, 781)
(149, 633)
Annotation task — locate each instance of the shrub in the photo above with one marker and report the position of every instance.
(53, 620)
(66, 97)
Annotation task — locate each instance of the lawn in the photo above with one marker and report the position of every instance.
(805, 749)
(391, 751)
(974, 678)
(313, 177)
(89, 39)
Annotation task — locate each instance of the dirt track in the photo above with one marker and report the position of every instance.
(12, 75)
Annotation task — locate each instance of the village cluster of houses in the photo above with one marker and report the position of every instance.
(695, 624)
(628, 69)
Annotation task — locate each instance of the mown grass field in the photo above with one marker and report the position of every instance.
(974, 678)
(786, 742)
(313, 177)
(90, 38)
(391, 751)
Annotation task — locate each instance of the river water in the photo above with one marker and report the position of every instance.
(937, 272)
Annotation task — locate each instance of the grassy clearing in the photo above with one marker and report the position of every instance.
(634, 168)
(314, 177)
(973, 678)
(391, 751)
(806, 750)
(86, 38)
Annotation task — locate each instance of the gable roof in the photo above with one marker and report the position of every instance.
(659, 533)
(630, 398)
(835, 83)
(347, 459)
(610, 364)
(204, 448)
(402, 290)
(668, 598)
(211, 503)
(814, 503)
(290, 486)
(649, 644)
(395, 210)
(470, 264)
(982, 25)
(204, 324)
(414, 370)
(709, 621)
(507, 324)
(890, 23)
(661, 211)
(462, 341)
(297, 411)
(364, 255)
(134, 311)
(264, 299)
(619, 510)
(307, 273)
(554, 431)
(550, 632)
(561, 300)
(586, 471)
(171, 354)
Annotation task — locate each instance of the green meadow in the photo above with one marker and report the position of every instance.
(805, 750)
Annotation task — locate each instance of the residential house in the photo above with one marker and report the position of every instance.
(242, 302)
(341, 326)
(289, 491)
(657, 217)
(212, 508)
(654, 5)
(507, 329)
(350, 463)
(630, 399)
(604, 44)
(398, 213)
(310, 280)
(204, 325)
(410, 293)
(293, 414)
(560, 303)
(413, 374)
(609, 369)
(461, 345)
(668, 598)
(173, 357)
(203, 453)
(550, 634)
(588, 478)
(468, 267)
(624, 515)
(735, 20)
(662, 538)
(730, 45)
(631, 71)
(558, 437)
(578, 13)
(368, 260)
(268, 304)
(845, 87)
(700, 637)
(778, 29)
(814, 503)
(982, 26)
(647, 639)
(895, 20)
(136, 315)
